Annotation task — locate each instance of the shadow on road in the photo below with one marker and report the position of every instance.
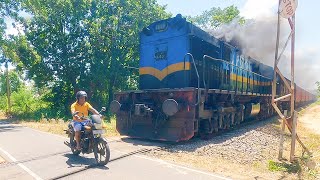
(5, 127)
(144, 142)
(78, 161)
(83, 164)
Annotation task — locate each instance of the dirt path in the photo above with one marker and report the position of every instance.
(311, 118)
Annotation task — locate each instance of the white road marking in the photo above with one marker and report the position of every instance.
(21, 165)
(178, 166)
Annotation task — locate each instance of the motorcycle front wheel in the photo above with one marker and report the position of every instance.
(101, 151)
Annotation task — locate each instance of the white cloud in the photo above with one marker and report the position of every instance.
(306, 67)
(259, 8)
(306, 58)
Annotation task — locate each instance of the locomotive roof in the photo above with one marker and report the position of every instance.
(181, 23)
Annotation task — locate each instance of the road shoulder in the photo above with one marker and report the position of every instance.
(2, 160)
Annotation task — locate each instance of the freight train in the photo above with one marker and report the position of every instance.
(191, 83)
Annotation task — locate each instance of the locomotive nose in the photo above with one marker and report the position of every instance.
(170, 107)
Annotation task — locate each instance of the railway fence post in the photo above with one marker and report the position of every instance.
(283, 126)
(293, 136)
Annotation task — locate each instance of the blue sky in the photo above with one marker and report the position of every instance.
(195, 7)
(307, 48)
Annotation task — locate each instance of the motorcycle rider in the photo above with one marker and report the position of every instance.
(81, 108)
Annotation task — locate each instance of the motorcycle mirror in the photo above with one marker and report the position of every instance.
(103, 109)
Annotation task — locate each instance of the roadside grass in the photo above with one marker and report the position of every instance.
(310, 164)
(305, 166)
(283, 166)
(57, 126)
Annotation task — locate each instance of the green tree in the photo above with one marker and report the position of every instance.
(15, 85)
(27, 104)
(318, 88)
(8, 9)
(15, 82)
(82, 44)
(217, 16)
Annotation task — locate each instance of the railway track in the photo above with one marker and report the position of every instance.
(140, 151)
(164, 147)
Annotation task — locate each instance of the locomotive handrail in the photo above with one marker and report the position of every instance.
(215, 59)
(195, 67)
(248, 72)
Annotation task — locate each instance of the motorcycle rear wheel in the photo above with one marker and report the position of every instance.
(73, 144)
(101, 152)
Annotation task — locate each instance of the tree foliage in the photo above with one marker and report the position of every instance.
(8, 8)
(26, 104)
(318, 88)
(15, 82)
(15, 85)
(72, 45)
(217, 16)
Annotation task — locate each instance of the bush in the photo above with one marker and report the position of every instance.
(25, 103)
(3, 102)
(28, 105)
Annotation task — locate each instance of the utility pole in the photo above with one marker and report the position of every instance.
(8, 87)
(286, 9)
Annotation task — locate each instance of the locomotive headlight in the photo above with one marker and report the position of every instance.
(170, 107)
(161, 26)
(115, 106)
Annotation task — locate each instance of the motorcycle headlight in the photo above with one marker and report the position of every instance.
(98, 126)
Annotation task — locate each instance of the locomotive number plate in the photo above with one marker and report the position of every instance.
(161, 51)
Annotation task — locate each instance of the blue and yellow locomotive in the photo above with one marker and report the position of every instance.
(191, 83)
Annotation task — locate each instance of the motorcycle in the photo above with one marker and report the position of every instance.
(91, 140)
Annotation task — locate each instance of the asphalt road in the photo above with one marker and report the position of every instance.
(31, 154)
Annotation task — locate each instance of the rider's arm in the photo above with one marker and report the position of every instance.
(93, 110)
(73, 112)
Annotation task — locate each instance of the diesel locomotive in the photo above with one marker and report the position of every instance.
(191, 83)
